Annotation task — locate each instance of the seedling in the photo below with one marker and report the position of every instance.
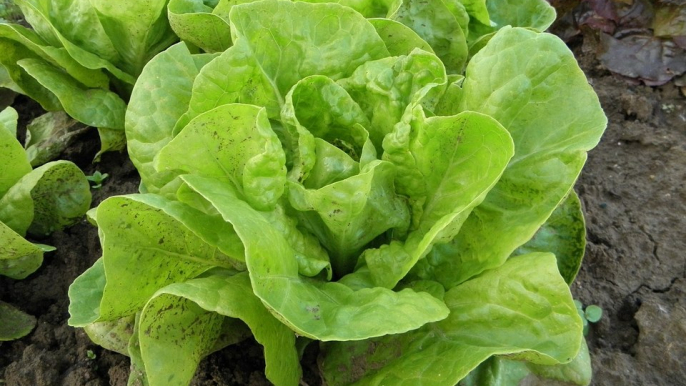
(592, 314)
(97, 179)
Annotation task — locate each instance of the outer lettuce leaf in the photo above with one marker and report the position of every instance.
(18, 257)
(563, 234)
(48, 135)
(112, 335)
(94, 107)
(291, 42)
(217, 294)
(21, 82)
(315, 309)
(542, 98)
(175, 333)
(8, 122)
(474, 150)
(13, 159)
(154, 108)
(57, 56)
(533, 14)
(577, 372)
(497, 372)
(85, 294)
(167, 241)
(14, 324)
(98, 34)
(522, 307)
(48, 198)
(75, 26)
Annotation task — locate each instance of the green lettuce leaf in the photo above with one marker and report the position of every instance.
(196, 23)
(475, 150)
(399, 38)
(522, 307)
(443, 24)
(232, 142)
(48, 198)
(14, 323)
(18, 257)
(385, 88)
(564, 234)
(163, 239)
(8, 121)
(315, 309)
(50, 134)
(173, 348)
(94, 107)
(12, 156)
(348, 214)
(543, 99)
(55, 55)
(291, 42)
(149, 123)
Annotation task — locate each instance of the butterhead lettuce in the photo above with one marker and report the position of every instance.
(317, 178)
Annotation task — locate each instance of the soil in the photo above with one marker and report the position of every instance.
(634, 194)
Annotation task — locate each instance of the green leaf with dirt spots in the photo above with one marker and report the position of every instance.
(15, 163)
(319, 310)
(219, 293)
(521, 308)
(112, 335)
(46, 199)
(50, 134)
(543, 99)
(245, 151)
(149, 124)
(167, 240)
(18, 257)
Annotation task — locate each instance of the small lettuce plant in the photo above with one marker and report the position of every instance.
(321, 179)
(83, 57)
(36, 202)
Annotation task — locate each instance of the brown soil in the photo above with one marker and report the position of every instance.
(633, 189)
